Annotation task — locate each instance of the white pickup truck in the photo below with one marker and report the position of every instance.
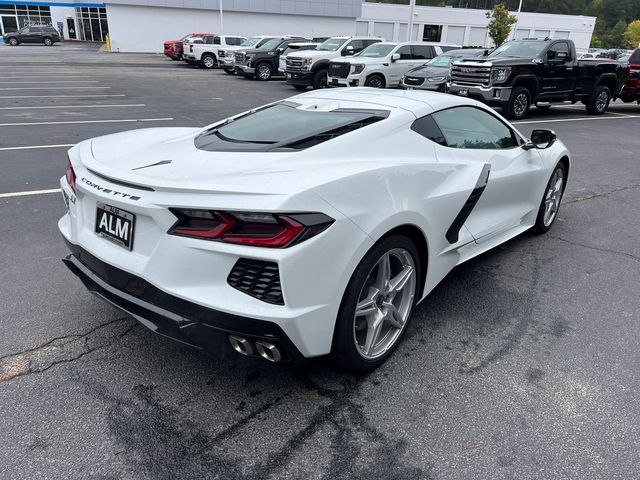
(205, 53)
(227, 58)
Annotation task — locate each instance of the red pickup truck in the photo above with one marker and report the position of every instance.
(173, 48)
(631, 90)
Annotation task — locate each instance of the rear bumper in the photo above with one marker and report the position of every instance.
(186, 322)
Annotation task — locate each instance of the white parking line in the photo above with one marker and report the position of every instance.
(24, 124)
(32, 192)
(51, 88)
(576, 119)
(56, 81)
(76, 106)
(63, 96)
(33, 147)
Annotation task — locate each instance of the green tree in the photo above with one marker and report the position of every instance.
(500, 23)
(632, 35)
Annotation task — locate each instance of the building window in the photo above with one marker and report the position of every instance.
(92, 24)
(14, 17)
(432, 33)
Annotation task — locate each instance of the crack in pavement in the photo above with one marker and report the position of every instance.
(602, 194)
(599, 249)
(63, 349)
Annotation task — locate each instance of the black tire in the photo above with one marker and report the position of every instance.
(599, 100)
(540, 226)
(518, 104)
(208, 61)
(229, 71)
(47, 41)
(344, 352)
(300, 87)
(13, 42)
(320, 79)
(264, 71)
(375, 81)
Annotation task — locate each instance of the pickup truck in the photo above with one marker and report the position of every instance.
(173, 48)
(262, 62)
(631, 90)
(205, 54)
(522, 73)
(309, 68)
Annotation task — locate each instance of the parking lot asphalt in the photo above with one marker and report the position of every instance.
(523, 363)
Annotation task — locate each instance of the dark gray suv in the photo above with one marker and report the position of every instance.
(45, 34)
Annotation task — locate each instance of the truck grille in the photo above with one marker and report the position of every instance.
(470, 75)
(239, 57)
(294, 64)
(339, 69)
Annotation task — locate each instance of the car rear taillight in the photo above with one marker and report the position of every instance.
(191, 47)
(273, 230)
(71, 176)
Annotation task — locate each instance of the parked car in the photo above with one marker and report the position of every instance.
(310, 68)
(262, 62)
(631, 90)
(227, 56)
(521, 73)
(382, 64)
(173, 48)
(294, 48)
(587, 56)
(436, 73)
(311, 226)
(205, 54)
(44, 34)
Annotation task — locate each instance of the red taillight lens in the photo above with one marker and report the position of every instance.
(249, 228)
(71, 176)
(191, 48)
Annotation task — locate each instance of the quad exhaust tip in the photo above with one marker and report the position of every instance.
(266, 350)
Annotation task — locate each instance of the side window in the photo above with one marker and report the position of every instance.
(405, 52)
(559, 51)
(234, 40)
(358, 45)
(366, 43)
(427, 127)
(446, 48)
(25, 30)
(472, 128)
(216, 40)
(422, 52)
(36, 30)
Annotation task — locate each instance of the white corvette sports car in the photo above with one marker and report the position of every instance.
(306, 227)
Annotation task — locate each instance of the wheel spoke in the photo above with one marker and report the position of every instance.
(397, 283)
(373, 333)
(384, 272)
(368, 305)
(393, 315)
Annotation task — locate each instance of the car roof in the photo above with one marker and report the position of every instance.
(418, 102)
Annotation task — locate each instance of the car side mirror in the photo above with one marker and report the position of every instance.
(541, 139)
(395, 56)
(348, 50)
(278, 51)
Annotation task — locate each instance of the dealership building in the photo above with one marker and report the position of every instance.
(143, 25)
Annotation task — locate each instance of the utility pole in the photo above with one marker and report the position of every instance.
(412, 7)
(221, 20)
(515, 27)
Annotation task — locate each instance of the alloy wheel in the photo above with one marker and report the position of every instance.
(375, 82)
(602, 101)
(264, 72)
(384, 303)
(520, 104)
(553, 196)
(208, 62)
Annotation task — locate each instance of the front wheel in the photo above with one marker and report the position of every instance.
(13, 42)
(208, 61)
(377, 305)
(48, 42)
(550, 204)
(300, 87)
(264, 72)
(320, 79)
(519, 104)
(375, 81)
(599, 101)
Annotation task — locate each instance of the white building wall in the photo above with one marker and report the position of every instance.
(144, 29)
(474, 22)
(60, 14)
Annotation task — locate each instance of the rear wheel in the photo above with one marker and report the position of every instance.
(551, 201)
(48, 42)
(230, 71)
(13, 42)
(599, 101)
(300, 87)
(208, 61)
(377, 305)
(375, 81)
(518, 104)
(264, 71)
(320, 78)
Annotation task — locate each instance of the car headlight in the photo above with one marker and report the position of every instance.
(358, 68)
(500, 74)
(436, 79)
(306, 64)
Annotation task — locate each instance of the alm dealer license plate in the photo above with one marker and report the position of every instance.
(115, 225)
(463, 92)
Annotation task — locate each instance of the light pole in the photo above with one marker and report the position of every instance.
(221, 20)
(515, 27)
(412, 7)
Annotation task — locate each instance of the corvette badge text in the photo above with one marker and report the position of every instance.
(115, 193)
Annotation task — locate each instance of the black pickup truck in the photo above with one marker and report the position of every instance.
(521, 73)
(262, 62)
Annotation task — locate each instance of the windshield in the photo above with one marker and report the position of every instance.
(282, 122)
(524, 48)
(377, 50)
(441, 61)
(332, 44)
(271, 44)
(249, 42)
